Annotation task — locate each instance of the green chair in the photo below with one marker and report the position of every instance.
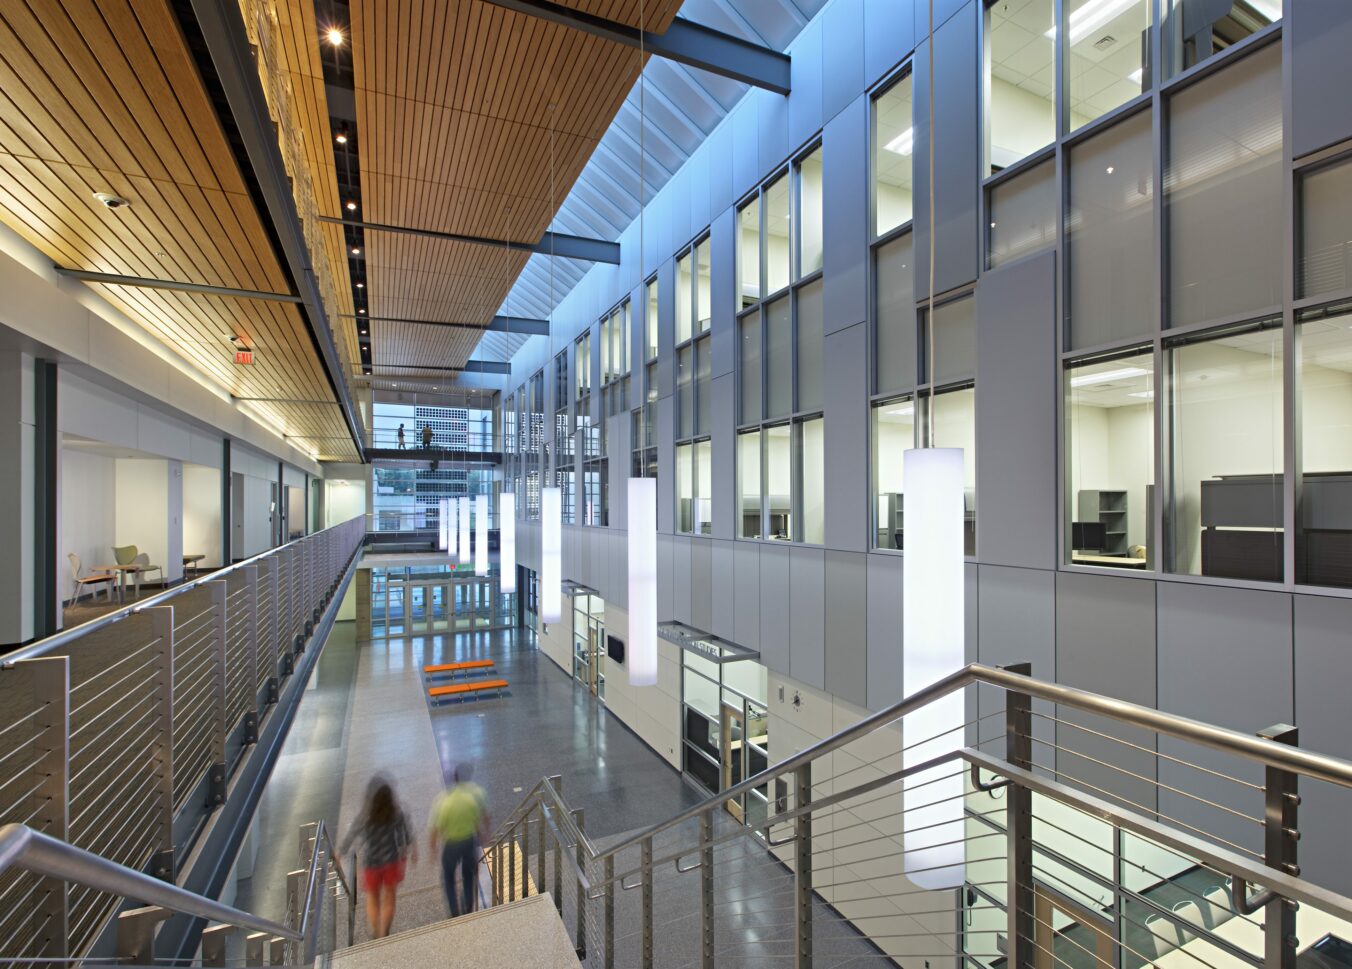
(124, 554)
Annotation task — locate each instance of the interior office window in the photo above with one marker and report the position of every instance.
(893, 144)
(703, 293)
(1325, 261)
(1020, 80)
(748, 254)
(810, 213)
(1022, 212)
(779, 358)
(1225, 516)
(1110, 458)
(703, 390)
(685, 488)
(1197, 29)
(955, 426)
(749, 484)
(582, 369)
(1223, 180)
(810, 346)
(685, 391)
(650, 320)
(778, 483)
(684, 306)
(777, 234)
(811, 452)
(893, 433)
(894, 315)
(1323, 539)
(1110, 235)
(954, 339)
(1106, 50)
(749, 364)
(702, 505)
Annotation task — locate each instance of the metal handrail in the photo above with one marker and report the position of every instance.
(66, 636)
(22, 847)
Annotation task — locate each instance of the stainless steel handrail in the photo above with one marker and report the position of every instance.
(22, 847)
(66, 636)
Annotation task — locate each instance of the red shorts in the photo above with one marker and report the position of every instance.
(373, 879)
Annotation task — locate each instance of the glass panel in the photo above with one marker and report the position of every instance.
(748, 254)
(1110, 235)
(1226, 518)
(893, 142)
(812, 470)
(685, 454)
(1198, 29)
(703, 392)
(685, 373)
(684, 307)
(779, 358)
(810, 346)
(748, 678)
(704, 300)
(650, 321)
(777, 235)
(1324, 538)
(955, 426)
(954, 339)
(893, 435)
(1326, 230)
(1106, 58)
(1021, 79)
(750, 363)
(778, 483)
(749, 485)
(1023, 214)
(703, 497)
(895, 311)
(1110, 453)
(810, 214)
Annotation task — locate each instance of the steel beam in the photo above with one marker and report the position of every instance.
(499, 324)
(146, 282)
(550, 244)
(471, 366)
(684, 41)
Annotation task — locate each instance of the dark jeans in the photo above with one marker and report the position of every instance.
(460, 857)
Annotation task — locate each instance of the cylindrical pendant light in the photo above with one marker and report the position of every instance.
(507, 542)
(464, 556)
(442, 538)
(481, 535)
(451, 510)
(642, 652)
(551, 555)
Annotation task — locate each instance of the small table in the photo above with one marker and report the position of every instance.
(123, 571)
(190, 561)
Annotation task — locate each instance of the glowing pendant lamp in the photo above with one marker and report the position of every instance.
(642, 653)
(551, 554)
(481, 535)
(463, 557)
(441, 524)
(507, 542)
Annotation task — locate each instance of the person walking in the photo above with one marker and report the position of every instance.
(427, 436)
(459, 823)
(401, 437)
(386, 844)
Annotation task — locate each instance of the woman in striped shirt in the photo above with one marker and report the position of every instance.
(386, 843)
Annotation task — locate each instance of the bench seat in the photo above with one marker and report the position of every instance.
(464, 690)
(473, 664)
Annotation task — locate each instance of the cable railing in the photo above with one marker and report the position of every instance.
(1087, 833)
(120, 737)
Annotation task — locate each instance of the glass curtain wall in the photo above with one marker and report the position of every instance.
(1324, 458)
(694, 309)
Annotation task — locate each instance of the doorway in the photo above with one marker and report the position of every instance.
(589, 642)
(1053, 914)
(439, 599)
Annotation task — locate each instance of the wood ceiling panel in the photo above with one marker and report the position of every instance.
(406, 345)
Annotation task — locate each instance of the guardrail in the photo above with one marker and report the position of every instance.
(120, 736)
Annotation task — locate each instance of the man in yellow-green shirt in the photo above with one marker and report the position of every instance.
(458, 823)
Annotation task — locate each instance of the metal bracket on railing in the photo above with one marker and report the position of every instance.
(136, 933)
(630, 888)
(213, 944)
(986, 786)
(217, 785)
(779, 842)
(1243, 901)
(254, 944)
(251, 728)
(680, 870)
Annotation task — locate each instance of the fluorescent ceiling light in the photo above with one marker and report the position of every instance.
(906, 411)
(1144, 394)
(1107, 376)
(1135, 76)
(903, 143)
(1092, 15)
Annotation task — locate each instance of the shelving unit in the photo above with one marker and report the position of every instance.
(1109, 508)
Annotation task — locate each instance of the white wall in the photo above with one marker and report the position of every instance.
(87, 518)
(343, 501)
(149, 511)
(202, 514)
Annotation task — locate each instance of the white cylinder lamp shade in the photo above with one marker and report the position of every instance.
(641, 657)
(442, 537)
(932, 648)
(481, 534)
(551, 555)
(452, 528)
(464, 549)
(507, 542)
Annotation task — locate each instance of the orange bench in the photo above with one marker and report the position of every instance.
(464, 690)
(473, 664)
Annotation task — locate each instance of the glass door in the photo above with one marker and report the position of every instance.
(418, 612)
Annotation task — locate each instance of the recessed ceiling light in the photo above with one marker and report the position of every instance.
(341, 137)
(334, 36)
(1136, 76)
(1107, 376)
(361, 285)
(352, 206)
(903, 143)
(359, 310)
(1109, 169)
(111, 201)
(356, 251)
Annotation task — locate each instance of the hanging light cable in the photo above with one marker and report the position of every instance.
(551, 510)
(933, 634)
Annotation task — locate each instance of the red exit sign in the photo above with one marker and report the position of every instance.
(243, 356)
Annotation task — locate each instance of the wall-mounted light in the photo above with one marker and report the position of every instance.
(551, 555)
(481, 535)
(507, 542)
(642, 655)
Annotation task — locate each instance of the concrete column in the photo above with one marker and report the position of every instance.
(17, 439)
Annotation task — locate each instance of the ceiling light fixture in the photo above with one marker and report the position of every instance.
(341, 136)
(361, 285)
(352, 206)
(356, 250)
(1144, 394)
(906, 411)
(334, 36)
(1135, 76)
(1091, 16)
(360, 310)
(903, 143)
(1107, 376)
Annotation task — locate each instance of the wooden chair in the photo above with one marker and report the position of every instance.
(91, 581)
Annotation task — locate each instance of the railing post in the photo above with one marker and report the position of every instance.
(802, 867)
(558, 873)
(51, 761)
(579, 819)
(1280, 836)
(274, 631)
(162, 626)
(513, 853)
(540, 882)
(645, 863)
(1019, 821)
(251, 652)
(218, 591)
(608, 919)
(706, 889)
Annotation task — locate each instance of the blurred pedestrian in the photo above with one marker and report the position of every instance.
(401, 437)
(459, 825)
(427, 436)
(386, 843)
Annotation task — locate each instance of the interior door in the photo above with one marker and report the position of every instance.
(732, 756)
(1056, 923)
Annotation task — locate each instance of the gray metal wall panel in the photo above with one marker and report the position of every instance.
(943, 10)
(619, 567)
(884, 630)
(889, 35)
(723, 290)
(1105, 643)
(805, 99)
(680, 575)
(1224, 658)
(843, 50)
(698, 190)
(724, 591)
(720, 170)
(772, 122)
(845, 217)
(846, 645)
(1325, 720)
(701, 583)
(678, 209)
(774, 616)
(957, 154)
(746, 166)
(1016, 414)
(746, 590)
(845, 375)
(807, 612)
(722, 445)
(666, 464)
(618, 434)
(666, 578)
(1321, 74)
(1016, 624)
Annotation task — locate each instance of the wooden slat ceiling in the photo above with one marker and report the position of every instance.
(472, 120)
(103, 96)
